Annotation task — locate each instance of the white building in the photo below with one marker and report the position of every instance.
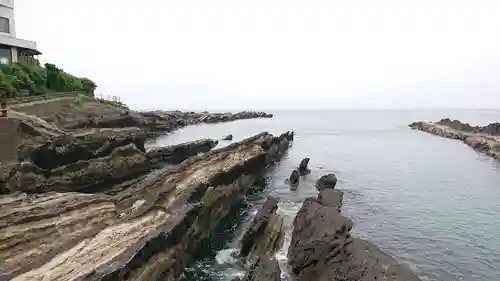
(13, 49)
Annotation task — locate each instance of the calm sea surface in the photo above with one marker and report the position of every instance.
(433, 203)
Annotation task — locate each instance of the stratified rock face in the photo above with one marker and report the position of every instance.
(141, 233)
(483, 139)
(303, 169)
(322, 247)
(264, 236)
(175, 154)
(96, 170)
(124, 161)
(264, 269)
(326, 181)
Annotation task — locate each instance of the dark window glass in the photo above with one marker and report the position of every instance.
(5, 55)
(4, 25)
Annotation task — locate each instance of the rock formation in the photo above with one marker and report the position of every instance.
(228, 137)
(483, 139)
(264, 236)
(60, 169)
(326, 181)
(322, 247)
(261, 240)
(303, 169)
(294, 179)
(144, 232)
(264, 269)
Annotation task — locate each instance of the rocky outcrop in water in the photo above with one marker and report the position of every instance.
(483, 139)
(264, 236)
(326, 181)
(261, 240)
(322, 247)
(228, 137)
(303, 169)
(294, 179)
(144, 232)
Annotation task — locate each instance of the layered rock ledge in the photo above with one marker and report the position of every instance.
(484, 139)
(261, 240)
(144, 232)
(322, 247)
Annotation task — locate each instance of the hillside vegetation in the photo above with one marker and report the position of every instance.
(41, 80)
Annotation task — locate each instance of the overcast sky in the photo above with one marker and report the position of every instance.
(275, 53)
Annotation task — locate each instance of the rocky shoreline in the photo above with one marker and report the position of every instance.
(82, 199)
(485, 139)
(321, 248)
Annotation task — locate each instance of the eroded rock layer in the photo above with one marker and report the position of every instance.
(142, 233)
(483, 139)
(322, 248)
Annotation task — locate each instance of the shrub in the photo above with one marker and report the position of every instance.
(40, 80)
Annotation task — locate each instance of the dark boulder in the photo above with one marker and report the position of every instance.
(228, 137)
(326, 181)
(294, 179)
(303, 169)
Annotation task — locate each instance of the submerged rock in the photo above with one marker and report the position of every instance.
(303, 169)
(326, 181)
(228, 137)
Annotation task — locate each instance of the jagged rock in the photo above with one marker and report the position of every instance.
(100, 170)
(303, 169)
(264, 269)
(228, 137)
(294, 179)
(331, 197)
(326, 181)
(123, 162)
(322, 247)
(264, 236)
(142, 233)
(175, 154)
(483, 139)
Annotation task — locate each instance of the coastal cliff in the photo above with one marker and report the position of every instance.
(485, 139)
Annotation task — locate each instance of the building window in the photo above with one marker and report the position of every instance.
(4, 25)
(5, 55)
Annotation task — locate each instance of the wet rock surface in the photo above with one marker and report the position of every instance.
(483, 139)
(294, 179)
(144, 232)
(261, 240)
(326, 181)
(92, 171)
(322, 247)
(264, 268)
(264, 236)
(228, 138)
(303, 169)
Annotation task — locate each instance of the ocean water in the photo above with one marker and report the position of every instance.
(431, 202)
